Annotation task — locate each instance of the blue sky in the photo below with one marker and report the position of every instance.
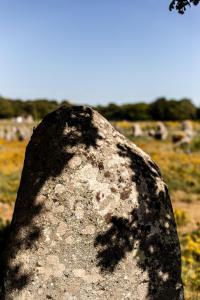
(98, 51)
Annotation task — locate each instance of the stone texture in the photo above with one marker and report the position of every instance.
(92, 220)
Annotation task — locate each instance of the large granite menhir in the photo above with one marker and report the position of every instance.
(92, 220)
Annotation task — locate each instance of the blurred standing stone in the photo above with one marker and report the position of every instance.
(92, 220)
(2, 133)
(28, 119)
(161, 132)
(188, 128)
(151, 133)
(8, 134)
(13, 133)
(137, 130)
(185, 136)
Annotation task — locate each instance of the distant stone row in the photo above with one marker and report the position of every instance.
(13, 133)
(19, 128)
(22, 131)
(161, 132)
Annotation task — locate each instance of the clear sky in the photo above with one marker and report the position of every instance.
(98, 51)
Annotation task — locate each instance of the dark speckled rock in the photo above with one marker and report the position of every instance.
(92, 220)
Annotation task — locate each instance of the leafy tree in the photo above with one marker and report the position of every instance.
(6, 108)
(158, 109)
(111, 112)
(198, 113)
(181, 5)
(185, 110)
(163, 109)
(136, 111)
(39, 108)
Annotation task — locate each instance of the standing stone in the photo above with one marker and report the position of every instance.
(181, 139)
(185, 136)
(178, 137)
(23, 133)
(92, 220)
(1, 133)
(137, 130)
(28, 119)
(187, 125)
(188, 129)
(8, 134)
(161, 131)
(151, 133)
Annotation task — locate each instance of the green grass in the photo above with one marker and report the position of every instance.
(8, 187)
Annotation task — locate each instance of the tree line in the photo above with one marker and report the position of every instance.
(160, 109)
(36, 108)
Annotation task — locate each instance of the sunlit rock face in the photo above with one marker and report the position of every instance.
(93, 219)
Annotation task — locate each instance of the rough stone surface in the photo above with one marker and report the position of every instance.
(92, 220)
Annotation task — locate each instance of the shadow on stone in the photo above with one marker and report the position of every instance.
(46, 156)
(4, 232)
(149, 230)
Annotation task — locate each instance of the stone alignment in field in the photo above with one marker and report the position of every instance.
(93, 219)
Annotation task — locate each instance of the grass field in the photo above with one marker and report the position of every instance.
(181, 171)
